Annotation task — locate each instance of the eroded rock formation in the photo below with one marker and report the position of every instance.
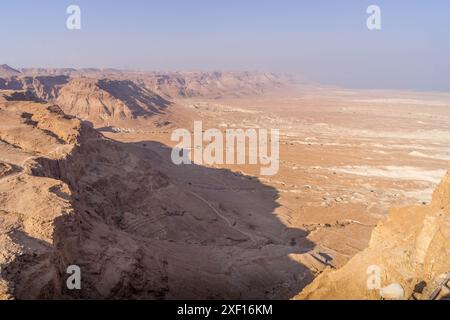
(410, 249)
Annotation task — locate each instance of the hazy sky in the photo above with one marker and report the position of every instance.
(325, 41)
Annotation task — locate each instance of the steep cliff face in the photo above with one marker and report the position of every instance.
(410, 252)
(43, 87)
(137, 226)
(441, 197)
(107, 101)
(30, 205)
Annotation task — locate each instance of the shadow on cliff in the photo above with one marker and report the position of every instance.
(135, 97)
(144, 228)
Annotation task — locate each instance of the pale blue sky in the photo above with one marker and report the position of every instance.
(325, 41)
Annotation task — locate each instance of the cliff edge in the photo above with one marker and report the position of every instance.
(408, 257)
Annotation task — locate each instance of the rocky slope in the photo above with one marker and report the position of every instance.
(136, 225)
(411, 250)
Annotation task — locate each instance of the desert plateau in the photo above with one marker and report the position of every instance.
(86, 179)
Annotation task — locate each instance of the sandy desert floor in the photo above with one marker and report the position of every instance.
(346, 157)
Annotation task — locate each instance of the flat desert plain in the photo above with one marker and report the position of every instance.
(346, 158)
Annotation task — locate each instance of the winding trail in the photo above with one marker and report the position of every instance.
(230, 224)
(23, 165)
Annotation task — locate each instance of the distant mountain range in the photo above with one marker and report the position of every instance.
(105, 96)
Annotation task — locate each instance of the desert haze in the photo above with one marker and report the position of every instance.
(86, 179)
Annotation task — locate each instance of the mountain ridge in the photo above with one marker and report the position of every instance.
(7, 71)
(107, 97)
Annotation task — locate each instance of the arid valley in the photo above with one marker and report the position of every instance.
(86, 179)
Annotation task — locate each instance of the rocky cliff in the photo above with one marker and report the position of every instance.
(408, 257)
(136, 225)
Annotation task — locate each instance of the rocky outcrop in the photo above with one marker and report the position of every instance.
(410, 250)
(107, 101)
